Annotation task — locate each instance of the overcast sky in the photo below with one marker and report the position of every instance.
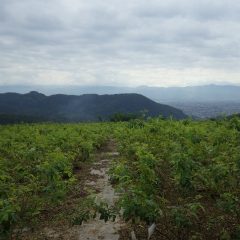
(119, 42)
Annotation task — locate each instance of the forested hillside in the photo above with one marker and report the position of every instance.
(70, 108)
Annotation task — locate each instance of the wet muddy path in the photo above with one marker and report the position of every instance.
(98, 229)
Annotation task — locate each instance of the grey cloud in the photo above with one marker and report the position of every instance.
(199, 10)
(109, 39)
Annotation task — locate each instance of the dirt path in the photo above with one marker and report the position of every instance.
(98, 229)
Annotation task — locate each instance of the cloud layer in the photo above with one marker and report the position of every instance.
(119, 42)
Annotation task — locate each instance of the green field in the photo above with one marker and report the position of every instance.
(182, 175)
(37, 165)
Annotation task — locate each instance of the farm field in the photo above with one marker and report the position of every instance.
(182, 177)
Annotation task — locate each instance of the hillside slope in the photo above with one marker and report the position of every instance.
(88, 107)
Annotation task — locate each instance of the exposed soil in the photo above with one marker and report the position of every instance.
(98, 229)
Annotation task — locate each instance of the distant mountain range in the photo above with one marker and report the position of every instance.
(72, 108)
(213, 93)
(208, 93)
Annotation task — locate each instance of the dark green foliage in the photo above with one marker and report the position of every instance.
(124, 117)
(35, 107)
(16, 119)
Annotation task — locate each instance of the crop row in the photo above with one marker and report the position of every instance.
(182, 175)
(37, 165)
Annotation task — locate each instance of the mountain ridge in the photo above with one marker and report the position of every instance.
(203, 93)
(86, 107)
